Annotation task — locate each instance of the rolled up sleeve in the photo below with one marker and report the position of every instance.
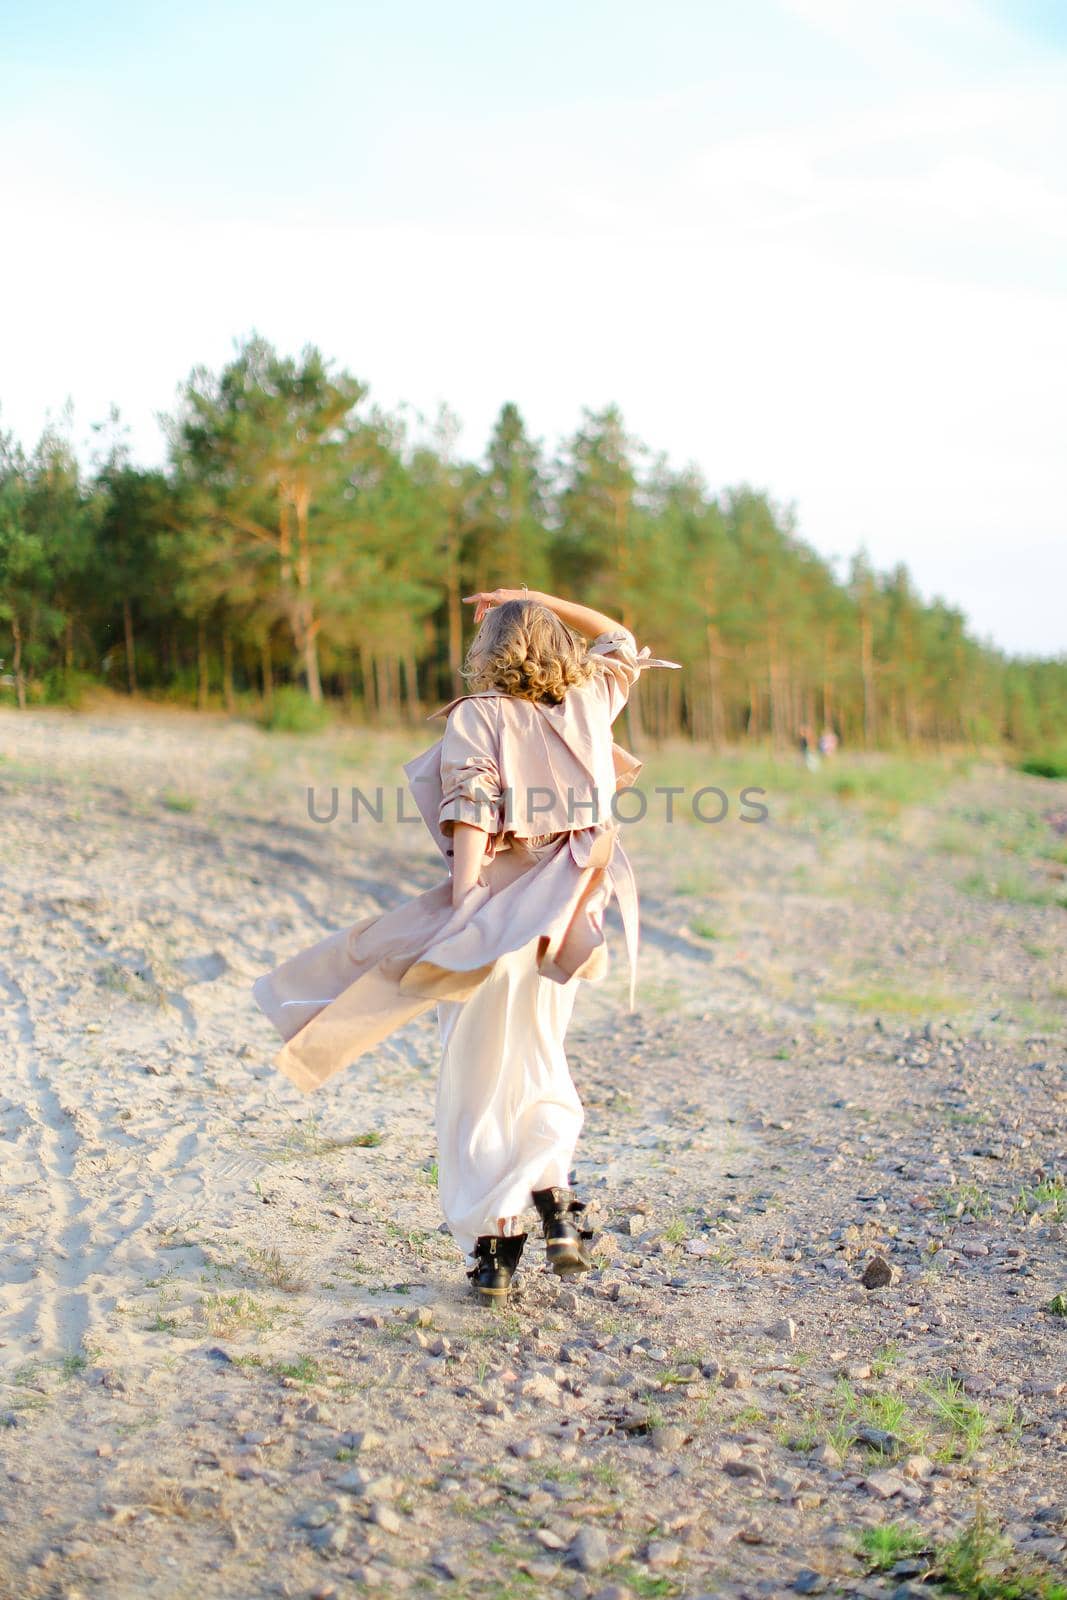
(615, 657)
(471, 789)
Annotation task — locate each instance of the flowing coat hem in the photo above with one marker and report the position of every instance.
(344, 995)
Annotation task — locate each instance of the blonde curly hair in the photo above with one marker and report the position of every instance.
(523, 649)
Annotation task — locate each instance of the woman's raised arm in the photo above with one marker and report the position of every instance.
(583, 619)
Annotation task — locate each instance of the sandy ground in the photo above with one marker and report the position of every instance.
(239, 1358)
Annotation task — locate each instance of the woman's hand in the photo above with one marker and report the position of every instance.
(583, 619)
(486, 599)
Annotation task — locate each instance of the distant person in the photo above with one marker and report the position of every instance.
(518, 796)
(808, 753)
(827, 742)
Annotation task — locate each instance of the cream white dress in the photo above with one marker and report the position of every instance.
(508, 1114)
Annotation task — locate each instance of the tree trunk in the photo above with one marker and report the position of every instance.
(20, 685)
(227, 669)
(411, 688)
(867, 670)
(305, 624)
(266, 669)
(68, 645)
(201, 664)
(718, 720)
(131, 653)
(455, 613)
(364, 684)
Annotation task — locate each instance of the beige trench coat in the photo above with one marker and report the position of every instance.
(540, 779)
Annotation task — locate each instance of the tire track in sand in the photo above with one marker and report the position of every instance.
(50, 1307)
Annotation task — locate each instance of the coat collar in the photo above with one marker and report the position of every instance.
(475, 694)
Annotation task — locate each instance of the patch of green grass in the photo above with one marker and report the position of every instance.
(882, 1547)
(704, 930)
(640, 1582)
(896, 1002)
(675, 1231)
(1052, 1193)
(496, 1324)
(1011, 887)
(883, 1359)
(1057, 1306)
(305, 1369)
(1045, 764)
(276, 1271)
(965, 1418)
(226, 1314)
(292, 710)
(980, 1564)
(177, 802)
(802, 1437)
(306, 1139)
(966, 1200)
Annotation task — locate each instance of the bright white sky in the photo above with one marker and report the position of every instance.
(814, 245)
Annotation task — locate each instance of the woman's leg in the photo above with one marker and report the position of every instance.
(508, 1114)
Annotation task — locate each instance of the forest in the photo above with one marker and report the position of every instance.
(303, 550)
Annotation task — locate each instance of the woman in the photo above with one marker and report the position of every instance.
(518, 794)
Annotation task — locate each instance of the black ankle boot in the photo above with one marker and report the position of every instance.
(560, 1212)
(498, 1256)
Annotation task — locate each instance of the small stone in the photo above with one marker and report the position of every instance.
(589, 1550)
(385, 1517)
(878, 1274)
(315, 1517)
(421, 1317)
(332, 1539)
(527, 1449)
(364, 1439)
(877, 1439)
(917, 1467)
(612, 1591)
(367, 1575)
(122, 1513)
(440, 1346)
(368, 1485)
(663, 1553)
(784, 1331)
(665, 1441)
(449, 1563)
(316, 1412)
(540, 1388)
(884, 1485)
(734, 1378)
(827, 1456)
(808, 1581)
(550, 1539)
(382, 1487)
(744, 1467)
